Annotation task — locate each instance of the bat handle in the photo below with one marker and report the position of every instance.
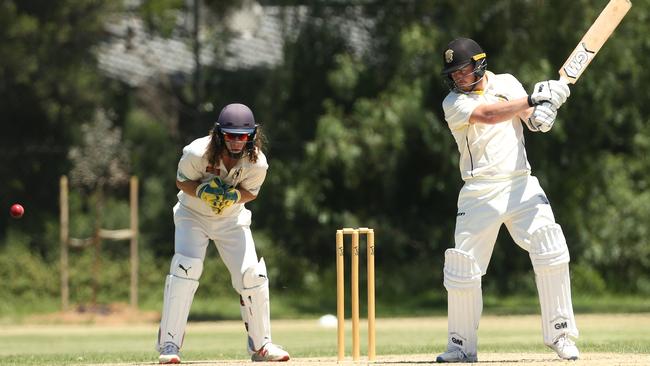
(564, 79)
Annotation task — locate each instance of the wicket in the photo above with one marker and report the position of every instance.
(340, 291)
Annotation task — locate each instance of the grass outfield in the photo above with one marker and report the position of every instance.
(606, 339)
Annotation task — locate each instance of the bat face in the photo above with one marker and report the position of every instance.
(593, 40)
(576, 63)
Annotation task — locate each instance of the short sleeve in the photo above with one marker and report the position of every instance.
(458, 109)
(516, 89)
(253, 182)
(255, 176)
(189, 167)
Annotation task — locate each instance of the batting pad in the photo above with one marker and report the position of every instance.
(550, 257)
(256, 300)
(180, 286)
(462, 279)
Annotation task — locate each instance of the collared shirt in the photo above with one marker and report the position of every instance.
(488, 151)
(194, 165)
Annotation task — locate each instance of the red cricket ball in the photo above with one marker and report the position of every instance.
(16, 211)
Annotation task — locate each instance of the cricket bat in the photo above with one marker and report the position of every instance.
(593, 40)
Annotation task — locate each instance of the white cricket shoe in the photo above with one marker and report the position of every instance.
(455, 355)
(270, 352)
(169, 354)
(565, 348)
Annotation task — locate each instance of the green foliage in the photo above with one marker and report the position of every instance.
(586, 280)
(50, 84)
(28, 281)
(161, 15)
(102, 157)
(356, 137)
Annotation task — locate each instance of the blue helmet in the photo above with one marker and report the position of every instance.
(236, 118)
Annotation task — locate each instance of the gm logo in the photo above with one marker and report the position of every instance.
(457, 341)
(579, 59)
(562, 325)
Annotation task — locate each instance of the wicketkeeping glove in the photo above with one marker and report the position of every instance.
(217, 194)
(227, 199)
(553, 91)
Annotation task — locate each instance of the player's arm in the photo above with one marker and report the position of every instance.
(188, 186)
(501, 111)
(553, 92)
(246, 196)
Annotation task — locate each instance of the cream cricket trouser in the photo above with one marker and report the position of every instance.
(483, 206)
(234, 242)
(521, 204)
(231, 235)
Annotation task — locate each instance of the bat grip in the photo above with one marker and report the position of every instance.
(564, 80)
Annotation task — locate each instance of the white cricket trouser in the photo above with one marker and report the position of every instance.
(231, 235)
(234, 242)
(483, 206)
(521, 204)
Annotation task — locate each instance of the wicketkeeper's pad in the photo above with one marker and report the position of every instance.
(180, 286)
(256, 300)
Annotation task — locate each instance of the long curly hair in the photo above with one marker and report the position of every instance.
(217, 146)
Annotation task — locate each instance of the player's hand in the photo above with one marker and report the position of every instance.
(211, 192)
(553, 91)
(217, 194)
(227, 199)
(543, 118)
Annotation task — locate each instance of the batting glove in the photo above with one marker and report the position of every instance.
(543, 118)
(553, 91)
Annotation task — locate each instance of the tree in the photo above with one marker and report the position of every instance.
(50, 84)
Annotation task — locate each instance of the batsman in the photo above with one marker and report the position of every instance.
(486, 113)
(216, 176)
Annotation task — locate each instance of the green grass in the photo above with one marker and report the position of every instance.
(225, 340)
(286, 305)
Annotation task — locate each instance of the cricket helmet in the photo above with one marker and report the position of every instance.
(462, 52)
(236, 119)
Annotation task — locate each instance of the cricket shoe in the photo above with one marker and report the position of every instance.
(270, 352)
(169, 354)
(565, 348)
(455, 355)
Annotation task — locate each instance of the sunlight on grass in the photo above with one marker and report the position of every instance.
(225, 340)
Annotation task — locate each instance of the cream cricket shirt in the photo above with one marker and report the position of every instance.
(488, 151)
(194, 166)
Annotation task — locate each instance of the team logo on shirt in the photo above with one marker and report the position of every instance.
(449, 56)
(236, 175)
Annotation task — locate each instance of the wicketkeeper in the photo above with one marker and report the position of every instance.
(486, 113)
(217, 175)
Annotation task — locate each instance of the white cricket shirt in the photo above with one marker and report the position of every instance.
(488, 151)
(194, 166)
